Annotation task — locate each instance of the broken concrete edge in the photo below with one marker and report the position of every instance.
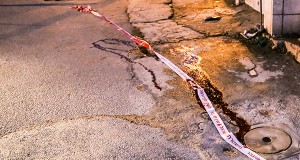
(280, 45)
(293, 49)
(154, 42)
(287, 47)
(161, 41)
(140, 12)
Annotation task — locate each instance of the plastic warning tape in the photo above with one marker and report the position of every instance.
(229, 137)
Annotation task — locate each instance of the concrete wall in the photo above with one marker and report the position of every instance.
(280, 16)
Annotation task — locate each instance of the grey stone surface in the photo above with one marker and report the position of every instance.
(277, 25)
(276, 8)
(148, 11)
(100, 138)
(61, 70)
(49, 70)
(291, 7)
(146, 78)
(166, 31)
(291, 23)
(63, 96)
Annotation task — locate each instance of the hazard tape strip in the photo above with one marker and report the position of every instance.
(214, 116)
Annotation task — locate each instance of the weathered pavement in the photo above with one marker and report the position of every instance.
(69, 92)
(260, 86)
(72, 87)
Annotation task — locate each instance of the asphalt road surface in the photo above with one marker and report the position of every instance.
(64, 86)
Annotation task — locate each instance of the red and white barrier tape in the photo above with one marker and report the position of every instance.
(219, 124)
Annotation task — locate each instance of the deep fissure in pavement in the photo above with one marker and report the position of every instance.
(213, 93)
(115, 52)
(216, 96)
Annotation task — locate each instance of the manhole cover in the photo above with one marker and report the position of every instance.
(267, 140)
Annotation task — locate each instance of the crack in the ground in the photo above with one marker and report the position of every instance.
(139, 120)
(216, 96)
(115, 51)
(172, 9)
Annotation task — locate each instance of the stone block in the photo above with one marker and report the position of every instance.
(291, 6)
(166, 31)
(277, 25)
(291, 24)
(277, 6)
(148, 11)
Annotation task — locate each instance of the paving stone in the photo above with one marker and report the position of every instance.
(148, 11)
(166, 31)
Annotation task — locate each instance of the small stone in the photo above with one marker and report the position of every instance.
(233, 123)
(205, 115)
(253, 73)
(264, 112)
(229, 151)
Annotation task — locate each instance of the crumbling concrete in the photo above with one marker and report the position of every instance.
(166, 31)
(148, 11)
(153, 19)
(259, 85)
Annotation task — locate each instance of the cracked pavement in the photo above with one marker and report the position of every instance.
(74, 88)
(65, 94)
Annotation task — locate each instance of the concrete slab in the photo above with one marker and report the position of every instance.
(277, 24)
(276, 7)
(148, 11)
(291, 7)
(291, 24)
(99, 138)
(166, 31)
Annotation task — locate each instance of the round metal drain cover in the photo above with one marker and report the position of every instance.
(267, 140)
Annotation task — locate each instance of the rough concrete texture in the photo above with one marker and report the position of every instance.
(260, 85)
(292, 45)
(74, 90)
(62, 72)
(294, 49)
(261, 99)
(98, 138)
(142, 13)
(233, 19)
(148, 11)
(166, 31)
(146, 78)
(60, 80)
